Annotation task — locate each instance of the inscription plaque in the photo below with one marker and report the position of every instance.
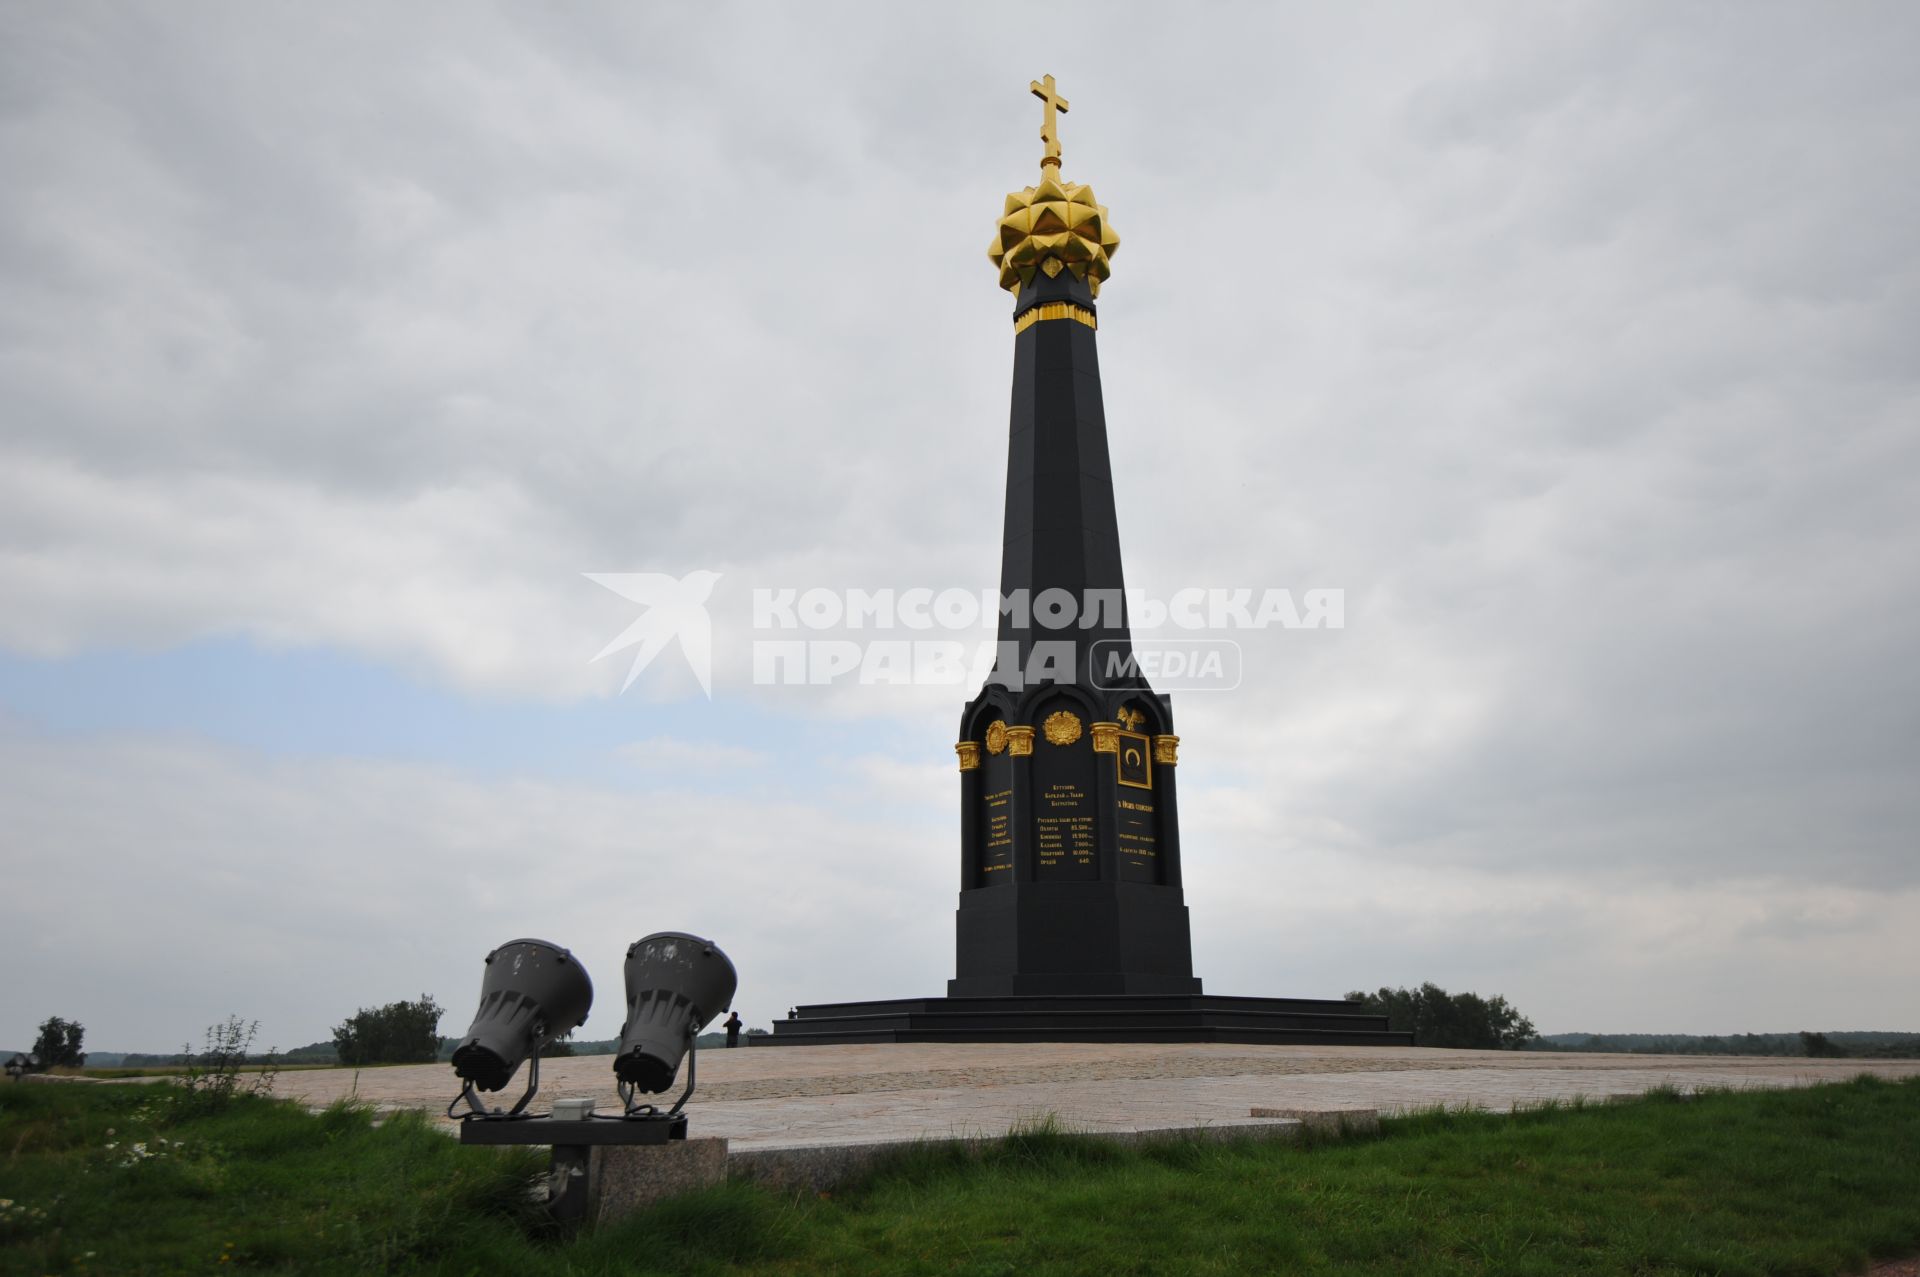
(1066, 841)
(995, 854)
(1137, 832)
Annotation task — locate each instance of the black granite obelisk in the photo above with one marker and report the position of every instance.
(1070, 843)
(1072, 923)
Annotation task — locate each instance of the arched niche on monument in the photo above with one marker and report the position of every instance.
(1066, 790)
(1136, 782)
(990, 859)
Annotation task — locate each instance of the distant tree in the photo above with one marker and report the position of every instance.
(58, 1045)
(558, 1049)
(1438, 1018)
(1851, 1043)
(397, 1033)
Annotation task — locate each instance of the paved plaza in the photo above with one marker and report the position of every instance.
(813, 1096)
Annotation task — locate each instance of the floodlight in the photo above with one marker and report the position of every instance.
(676, 985)
(533, 992)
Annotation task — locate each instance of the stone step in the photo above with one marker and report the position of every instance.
(921, 1030)
(1086, 1018)
(1086, 1002)
(972, 1020)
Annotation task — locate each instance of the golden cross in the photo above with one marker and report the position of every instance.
(1049, 126)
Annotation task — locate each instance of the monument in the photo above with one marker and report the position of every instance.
(1072, 922)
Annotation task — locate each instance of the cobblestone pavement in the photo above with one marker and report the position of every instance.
(799, 1096)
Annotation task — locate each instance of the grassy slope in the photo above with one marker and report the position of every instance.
(1806, 1182)
(264, 1183)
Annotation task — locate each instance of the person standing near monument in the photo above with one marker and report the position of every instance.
(732, 1027)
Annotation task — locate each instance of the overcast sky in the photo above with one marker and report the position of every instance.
(1575, 343)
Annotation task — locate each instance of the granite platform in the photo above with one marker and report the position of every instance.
(818, 1096)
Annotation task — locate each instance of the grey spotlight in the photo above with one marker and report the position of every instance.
(533, 992)
(676, 985)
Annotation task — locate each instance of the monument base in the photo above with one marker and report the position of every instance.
(1087, 1018)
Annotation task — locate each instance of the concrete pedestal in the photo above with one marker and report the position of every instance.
(623, 1178)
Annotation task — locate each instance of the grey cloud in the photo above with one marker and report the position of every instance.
(1573, 344)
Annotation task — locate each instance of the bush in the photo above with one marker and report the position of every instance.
(58, 1045)
(1463, 1020)
(397, 1033)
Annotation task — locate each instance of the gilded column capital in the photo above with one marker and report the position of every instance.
(969, 752)
(1165, 749)
(1106, 738)
(1019, 741)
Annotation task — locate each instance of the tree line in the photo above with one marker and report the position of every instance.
(1850, 1044)
(1464, 1021)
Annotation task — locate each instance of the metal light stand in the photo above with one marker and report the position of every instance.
(573, 1141)
(639, 1112)
(477, 1108)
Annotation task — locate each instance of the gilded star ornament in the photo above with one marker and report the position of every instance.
(1052, 226)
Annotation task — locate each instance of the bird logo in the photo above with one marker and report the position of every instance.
(676, 609)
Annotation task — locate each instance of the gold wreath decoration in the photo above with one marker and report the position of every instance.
(996, 737)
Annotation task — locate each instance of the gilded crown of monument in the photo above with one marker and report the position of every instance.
(1056, 225)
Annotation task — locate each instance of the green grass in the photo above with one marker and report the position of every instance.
(261, 1184)
(1806, 1182)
